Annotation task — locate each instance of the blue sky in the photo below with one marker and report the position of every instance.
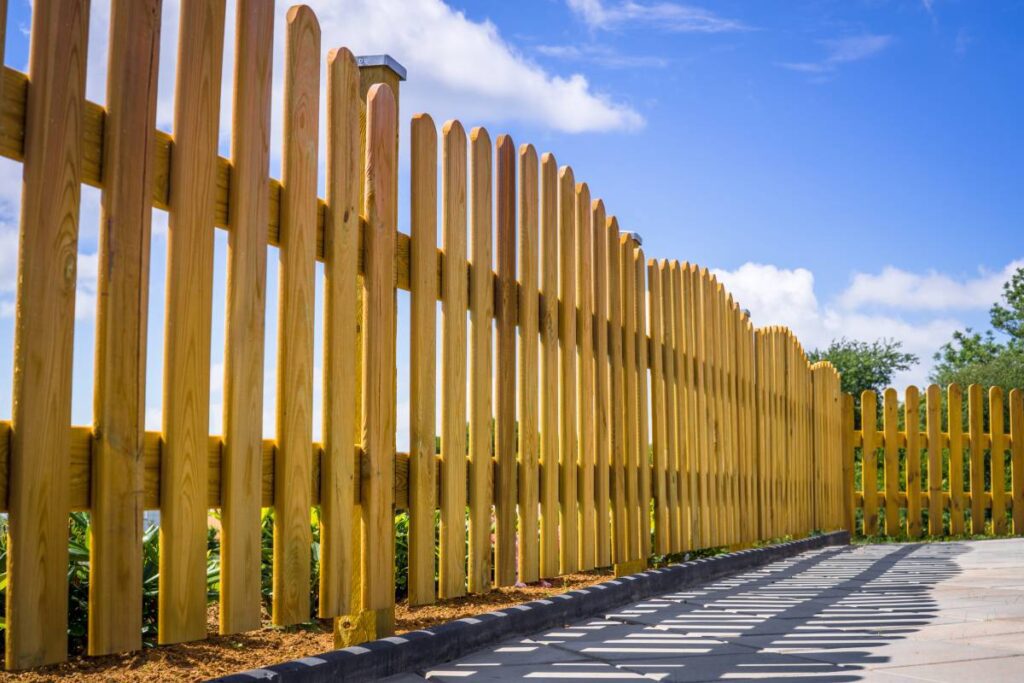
(850, 167)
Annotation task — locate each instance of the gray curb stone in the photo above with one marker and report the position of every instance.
(426, 648)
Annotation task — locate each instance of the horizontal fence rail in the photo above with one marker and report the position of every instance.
(599, 408)
(935, 464)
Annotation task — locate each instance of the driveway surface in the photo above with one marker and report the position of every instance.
(906, 612)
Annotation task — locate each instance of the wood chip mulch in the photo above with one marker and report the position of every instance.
(219, 655)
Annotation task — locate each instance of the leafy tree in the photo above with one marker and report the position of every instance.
(865, 365)
(981, 358)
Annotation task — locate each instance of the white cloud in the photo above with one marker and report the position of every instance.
(781, 296)
(841, 51)
(930, 291)
(601, 55)
(457, 67)
(668, 16)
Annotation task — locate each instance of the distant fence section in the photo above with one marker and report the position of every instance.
(944, 462)
(617, 407)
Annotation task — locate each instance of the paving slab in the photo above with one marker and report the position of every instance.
(890, 612)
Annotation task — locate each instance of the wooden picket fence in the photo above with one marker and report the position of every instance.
(934, 478)
(635, 409)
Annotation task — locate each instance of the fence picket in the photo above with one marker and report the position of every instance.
(338, 472)
(933, 417)
(630, 401)
(568, 454)
(506, 314)
(869, 461)
(481, 314)
(454, 288)
(912, 425)
(241, 536)
(378, 561)
(186, 379)
(422, 359)
(1017, 457)
(549, 371)
(685, 404)
(115, 548)
(529, 441)
(292, 495)
(976, 431)
(37, 558)
(586, 553)
(616, 397)
(997, 459)
(658, 412)
(954, 406)
(643, 446)
(672, 428)
(602, 386)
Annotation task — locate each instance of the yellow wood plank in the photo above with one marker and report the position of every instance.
(587, 549)
(338, 520)
(378, 561)
(506, 314)
(454, 288)
(627, 273)
(912, 422)
(548, 306)
(37, 557)
(616, 396)
(115, 547)
(1017, 458)
(975, 422)
(869, 472)
(671, 343)
(699, 331)
(549, 370)
(662, 536)
(997, 462)
(241, 538)
(292, 498)
(685, 378)
(890, 416)
(643, 445)
(955, 427)
(602, 387)
(481, 314)
(422, 359)
(848, 460)
(186, 379)
(568, 451)
(933, 427)
(528, 565)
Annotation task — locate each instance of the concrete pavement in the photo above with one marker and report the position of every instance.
(908, 612)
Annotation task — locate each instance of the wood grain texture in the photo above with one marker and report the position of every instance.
(672, 432)
(933, 428)
(454, 288)
(616, 396)
(686, 404)
(568, 445)
(849, 520)
(119, 404)
(627, 272)
(586, 554)
(422, 359)
(912, 426)
(869, 461)
(997, 459)
(662, 534)
(528, 565)
(240, 597)
(380, 210)
(186, 379)
(37, 557)
(955, 427)
(338, 520)
(549, 370)
(602, 388)
(1017, 458)
(890, 417)
(506, 313)
(481, 316)
(643, 444)
(976, 429)
(296, 275)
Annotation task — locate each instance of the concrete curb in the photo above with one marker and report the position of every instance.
(423, 649)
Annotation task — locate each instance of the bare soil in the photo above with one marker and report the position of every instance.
(219, 655)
